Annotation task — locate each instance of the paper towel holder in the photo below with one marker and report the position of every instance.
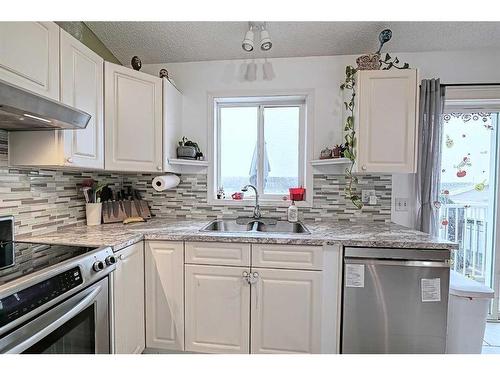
(165, 182)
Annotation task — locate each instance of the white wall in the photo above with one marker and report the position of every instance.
(323, 75)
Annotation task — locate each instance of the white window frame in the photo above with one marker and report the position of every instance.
(303, 99)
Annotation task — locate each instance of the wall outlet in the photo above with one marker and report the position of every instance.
(366, 194)
(401, 204)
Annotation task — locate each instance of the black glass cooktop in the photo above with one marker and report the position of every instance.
(33, 257)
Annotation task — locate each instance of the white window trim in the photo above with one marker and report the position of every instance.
(307, 154)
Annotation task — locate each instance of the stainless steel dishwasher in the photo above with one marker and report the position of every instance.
(394, 300)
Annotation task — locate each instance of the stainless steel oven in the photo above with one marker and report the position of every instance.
(61, 309)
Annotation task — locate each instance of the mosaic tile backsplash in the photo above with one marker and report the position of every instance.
(43, 200)
(46, 200)
(189, 200)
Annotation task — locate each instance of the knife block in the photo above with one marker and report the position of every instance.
(117, 211)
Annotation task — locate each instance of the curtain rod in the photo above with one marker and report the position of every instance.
(469, 84)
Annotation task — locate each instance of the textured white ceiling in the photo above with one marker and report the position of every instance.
(157, 42)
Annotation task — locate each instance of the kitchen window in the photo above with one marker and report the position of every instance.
(259, 141)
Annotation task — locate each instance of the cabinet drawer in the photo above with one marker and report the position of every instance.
(217, 253)
(288, 256)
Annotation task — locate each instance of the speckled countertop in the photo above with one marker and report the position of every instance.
(118, 236)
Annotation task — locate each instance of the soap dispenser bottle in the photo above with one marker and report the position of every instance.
(293, 213)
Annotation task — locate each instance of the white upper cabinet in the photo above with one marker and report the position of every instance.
(172, 123)
(386, 121)
(82, 88)
(133, 120)
(29, 56)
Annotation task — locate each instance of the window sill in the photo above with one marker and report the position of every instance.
(246, 202)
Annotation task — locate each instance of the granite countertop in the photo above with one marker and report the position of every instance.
(119, 236)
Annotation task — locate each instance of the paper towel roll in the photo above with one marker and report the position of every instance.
(169, 181)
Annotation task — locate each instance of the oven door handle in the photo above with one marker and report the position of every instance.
(31, 333)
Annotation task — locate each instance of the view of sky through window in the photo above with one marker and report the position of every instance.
(239, 144)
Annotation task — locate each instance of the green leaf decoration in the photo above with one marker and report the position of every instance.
(350, 138)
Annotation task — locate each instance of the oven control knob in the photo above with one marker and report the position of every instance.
(110, 260)
(98, 266)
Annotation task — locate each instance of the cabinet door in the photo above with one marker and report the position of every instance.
(133, 120)
(387, 120)
(29, 56)
(82, 88)
(165, 295)
(217, 309)
(286, 311)
(128, 300)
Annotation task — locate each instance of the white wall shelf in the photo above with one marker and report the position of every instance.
(332, 161)
(191, 163)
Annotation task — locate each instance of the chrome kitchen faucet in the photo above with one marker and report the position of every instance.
(256, 210)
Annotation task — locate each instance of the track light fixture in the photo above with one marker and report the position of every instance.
(247, 43)
(265, 40)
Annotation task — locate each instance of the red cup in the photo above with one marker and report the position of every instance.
(297, 194)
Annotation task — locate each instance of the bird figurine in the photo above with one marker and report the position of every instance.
(136, 63)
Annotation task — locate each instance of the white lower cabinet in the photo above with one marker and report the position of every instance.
(220, 308)
(217, 309)
(128, 300)
(286, 311)
(165, 295)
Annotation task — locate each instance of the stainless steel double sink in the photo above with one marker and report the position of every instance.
(255, 225)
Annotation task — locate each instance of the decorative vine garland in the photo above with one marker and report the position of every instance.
(350, 137)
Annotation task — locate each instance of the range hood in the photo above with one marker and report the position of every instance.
(22, 110)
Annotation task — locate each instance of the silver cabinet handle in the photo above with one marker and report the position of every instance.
(69, 160)
(400, 262)
(158, 167)
(252, 279)
(363, 167)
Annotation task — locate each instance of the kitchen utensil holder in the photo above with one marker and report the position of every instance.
(94, 213)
